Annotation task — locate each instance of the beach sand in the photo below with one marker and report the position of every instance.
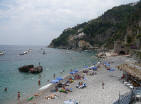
(93, 93)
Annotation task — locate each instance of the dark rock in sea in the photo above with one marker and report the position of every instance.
(31, 69)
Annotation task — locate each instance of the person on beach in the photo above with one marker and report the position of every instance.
(18, 96)
(102, 85)
(39, 82)
(56, 88)
(5, 89)
(54, 75)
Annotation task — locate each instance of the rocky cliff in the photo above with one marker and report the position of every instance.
(119, 23)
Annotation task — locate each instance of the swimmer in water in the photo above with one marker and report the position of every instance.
(39, 82)
(18, 96)
(5, 89)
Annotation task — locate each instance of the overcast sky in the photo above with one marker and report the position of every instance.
(37, 22)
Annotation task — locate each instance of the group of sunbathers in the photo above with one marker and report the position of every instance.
(81, 85)
(52, 96)
(65, 90)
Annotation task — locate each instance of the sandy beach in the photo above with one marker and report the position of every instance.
(93, 93)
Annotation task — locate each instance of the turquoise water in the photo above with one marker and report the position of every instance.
(54, 61)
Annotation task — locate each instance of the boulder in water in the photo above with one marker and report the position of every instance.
(31, 69)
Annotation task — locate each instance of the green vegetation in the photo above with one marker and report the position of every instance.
(129, 39)
(96, 28)
(112, 25)
(62, 40)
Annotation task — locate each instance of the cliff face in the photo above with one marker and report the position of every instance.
(120, 23)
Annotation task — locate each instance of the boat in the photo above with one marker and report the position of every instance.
(86, 50)
(31, 69)
(25, 52)
(29, 50)
(68, 52)
(1, 53)
(21, 54)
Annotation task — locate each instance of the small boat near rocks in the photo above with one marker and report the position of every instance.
(31, 69)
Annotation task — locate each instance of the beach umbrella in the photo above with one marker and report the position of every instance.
(54, 81)
(107, 64)
(59, 78)
(85, 67)
(75, 70)
(72, 72)
(94, 68)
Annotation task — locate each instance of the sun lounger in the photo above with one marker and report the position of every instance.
(81, 86)
(125, 82)
(128, 84)
(70, 102)
(131, 87)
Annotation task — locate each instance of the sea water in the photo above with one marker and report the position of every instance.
(54, 61)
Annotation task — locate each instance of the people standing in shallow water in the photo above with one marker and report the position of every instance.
(5, 89)
(54, 75)
(39, 82)
(18, 96)
(39, 64)
(102, 85)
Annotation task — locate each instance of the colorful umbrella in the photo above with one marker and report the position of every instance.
(59, 78)
(54, 81)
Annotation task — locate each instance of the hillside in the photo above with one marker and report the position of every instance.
(119, 23)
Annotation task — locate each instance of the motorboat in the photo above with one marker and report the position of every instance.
(1, 53)
(26, 52)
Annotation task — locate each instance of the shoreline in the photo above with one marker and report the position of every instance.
(46, 88)
(46, 92)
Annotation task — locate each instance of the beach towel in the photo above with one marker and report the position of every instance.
(62, 90)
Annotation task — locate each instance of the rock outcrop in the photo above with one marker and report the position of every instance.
(119, 23)
(31, 69)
